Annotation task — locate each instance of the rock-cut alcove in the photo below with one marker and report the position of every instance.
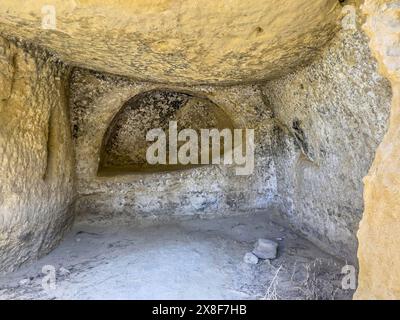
(124, 144)
(76, 105)
(110, 125)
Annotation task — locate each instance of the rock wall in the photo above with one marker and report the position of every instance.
(95, 101)
(379, 243)
(177, 41)
(36, 160)
(317, 128)
(333, 115)
(317, 132)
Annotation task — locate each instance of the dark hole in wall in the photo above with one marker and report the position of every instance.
(300, 135)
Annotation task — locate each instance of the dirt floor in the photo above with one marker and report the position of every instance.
(193, 259)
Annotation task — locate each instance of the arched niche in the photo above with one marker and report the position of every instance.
(124, 145)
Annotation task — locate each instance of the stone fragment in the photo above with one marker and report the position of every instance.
(265, 249)
(250, 258)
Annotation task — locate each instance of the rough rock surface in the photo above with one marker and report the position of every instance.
(379, 255)
(265, 249)
(125, 145)
(178, 41)
(250, 258)
(333, 115)
(209, 189)
(317, 131)
(36, 160)
(317, 128)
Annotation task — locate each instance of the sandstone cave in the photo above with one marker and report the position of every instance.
(83, 82)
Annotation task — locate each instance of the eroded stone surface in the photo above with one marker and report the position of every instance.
(334, 113)
(178, 41)
(265, 249)
(316, 128)
(209, 189)
(124, 145)
(378, 253)
(36, 160)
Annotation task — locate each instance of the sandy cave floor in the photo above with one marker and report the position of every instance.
(193, 259)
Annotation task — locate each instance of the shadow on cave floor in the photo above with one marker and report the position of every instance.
(193, 259)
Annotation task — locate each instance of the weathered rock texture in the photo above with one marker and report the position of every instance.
(124, 144)
(317, 131)
(333, 114)
(96, 100)
(178, 41)
(317, 128)
(36, 160)
(379, 243)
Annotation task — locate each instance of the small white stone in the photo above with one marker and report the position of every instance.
(265, 249)
(250, 258)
